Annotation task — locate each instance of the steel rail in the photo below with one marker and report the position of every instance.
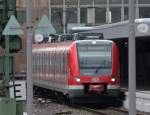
(95, 111)
(126, 111)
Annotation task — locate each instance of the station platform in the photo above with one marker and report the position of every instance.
(142, 101)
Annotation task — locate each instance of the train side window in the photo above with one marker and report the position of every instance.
(45, 68)
(49, 62)
(62, 71)
(60, 60)
(38, 64)
(52, 62)
(62, 63)
(57, 67)
(65, 62)
(56, 61)
(42, 63)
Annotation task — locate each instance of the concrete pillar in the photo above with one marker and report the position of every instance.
(122, 10)
(49, 10)
(91, 16)
(137, 9)
(108, 13)
(64, 17)
(78, 12)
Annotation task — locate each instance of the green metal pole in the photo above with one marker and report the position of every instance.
(7, 78)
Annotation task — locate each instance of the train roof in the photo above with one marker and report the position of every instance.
(63, 45)
(102, 41)
(121, 29)
(51, 46)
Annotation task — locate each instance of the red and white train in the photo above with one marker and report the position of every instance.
(78, 68)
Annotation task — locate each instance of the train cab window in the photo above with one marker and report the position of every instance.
(95, 59)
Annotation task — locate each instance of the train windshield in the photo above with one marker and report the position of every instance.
(95, 59)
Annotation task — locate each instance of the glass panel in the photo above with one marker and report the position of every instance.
(71, 15)
(144, 1)
(115, 1)
(58, 27)
(83, 17)
(125, 1)
(95, 59)
(100, 15)
(99, 2)
(86, 2)
(56, 2)
(144, 12)
(126, 16)
(115, 14)
(57, 15)
(71, 2)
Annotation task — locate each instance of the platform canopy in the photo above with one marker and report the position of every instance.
(121, 29)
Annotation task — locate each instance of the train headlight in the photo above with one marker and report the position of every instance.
(93, 42)
(113, 79)
(77, 79)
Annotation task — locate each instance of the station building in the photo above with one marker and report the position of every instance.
(63, 13)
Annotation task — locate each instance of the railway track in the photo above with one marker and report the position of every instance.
(94, 111)
(110, 111)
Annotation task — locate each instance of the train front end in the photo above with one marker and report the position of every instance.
(94, 69)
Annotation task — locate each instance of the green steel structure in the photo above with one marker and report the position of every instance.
(8, 8)
(9, 45)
